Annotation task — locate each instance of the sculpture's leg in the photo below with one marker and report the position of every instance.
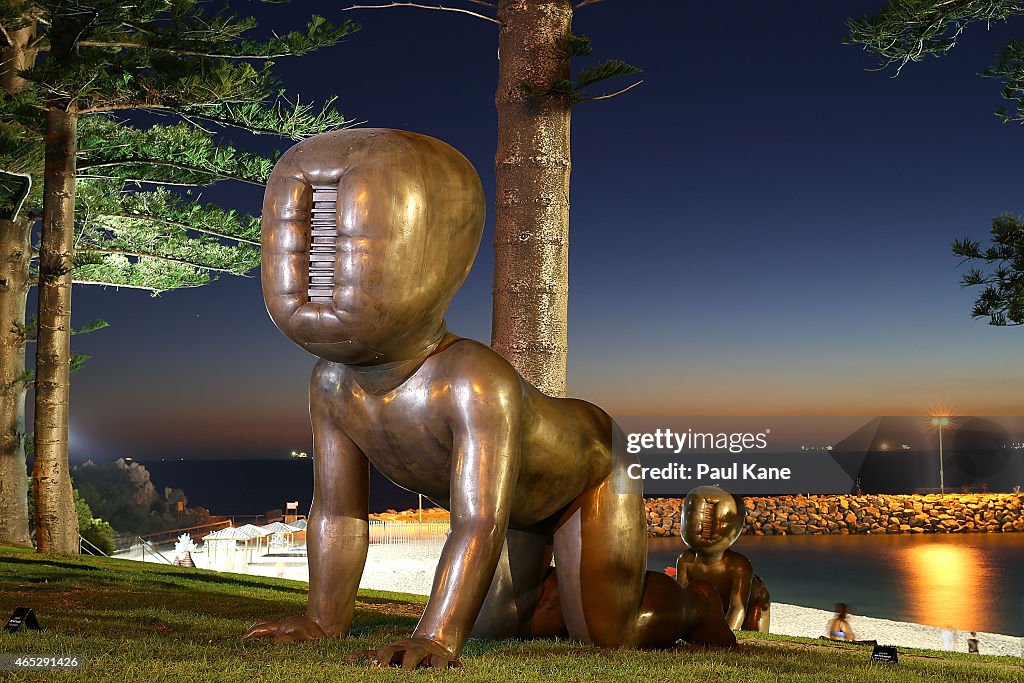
(758, 618)
(608, 598)
(759, 608)
(512, 598)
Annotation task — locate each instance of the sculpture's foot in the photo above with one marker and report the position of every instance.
(712, 634)
(290, 630)
(709, 627)
(410, 653)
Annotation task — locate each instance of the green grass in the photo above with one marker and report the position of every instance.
(134, 622)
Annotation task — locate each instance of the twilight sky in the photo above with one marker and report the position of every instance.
(761, 228)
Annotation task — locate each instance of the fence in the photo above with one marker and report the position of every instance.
(124, 542)
(388, 531)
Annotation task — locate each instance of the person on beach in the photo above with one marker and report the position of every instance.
(948, 638)
(972, 644)
(839, 628)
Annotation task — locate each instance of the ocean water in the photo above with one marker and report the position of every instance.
(250, 487)
(970, 582)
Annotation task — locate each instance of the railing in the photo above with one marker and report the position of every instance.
(171, 535)
(394, 531)
(966, 488)
(87, 547)
(147, 549)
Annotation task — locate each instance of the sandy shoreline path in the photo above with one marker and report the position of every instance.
(409, 568)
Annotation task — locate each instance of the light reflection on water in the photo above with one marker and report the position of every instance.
(944, 582)
(966, 581)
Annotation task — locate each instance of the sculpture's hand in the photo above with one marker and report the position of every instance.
(410, 653)
(290, 630)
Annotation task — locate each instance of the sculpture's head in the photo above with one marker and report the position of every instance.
(711, 520)
(367, 233)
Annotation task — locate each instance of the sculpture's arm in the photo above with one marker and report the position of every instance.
(485, 466)
(682, 570)
(338, 532)
(739, 594)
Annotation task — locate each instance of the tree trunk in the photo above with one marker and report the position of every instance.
(14, 261)
(56, 520)
(531, 211)
(16, 57)
(15, 256)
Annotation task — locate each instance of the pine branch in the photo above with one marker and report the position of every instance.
(88, 257)
(442, 8)
(319, 34)
(575, 91)
(162, 55)
(611, 95)
(603, 71)
(100, 81)
(294, 121)
(100, 236)
(27, 333)
(130, 153)
(183, 226)
(1002, 297)
(148, 172)
(148, 288)
(145, 274)
(14, 189)
(909, 30)
(14, 14)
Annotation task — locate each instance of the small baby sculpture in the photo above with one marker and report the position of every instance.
(367, 234)
(710, 522)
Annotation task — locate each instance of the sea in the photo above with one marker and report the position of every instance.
(966, 582)
(252, 487)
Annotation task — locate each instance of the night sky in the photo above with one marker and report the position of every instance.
(761, 228)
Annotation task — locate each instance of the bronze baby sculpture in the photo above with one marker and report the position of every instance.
(710, 522)
(367, 234)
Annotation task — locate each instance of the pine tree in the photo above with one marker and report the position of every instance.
(907, 31)
(16, 54)
(106, 217)
(1002, 296)
(532, 164)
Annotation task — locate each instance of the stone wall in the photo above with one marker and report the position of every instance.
(796, 515)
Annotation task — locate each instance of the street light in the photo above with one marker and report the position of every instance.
(940, 422)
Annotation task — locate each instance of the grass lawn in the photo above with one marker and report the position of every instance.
(135, 622)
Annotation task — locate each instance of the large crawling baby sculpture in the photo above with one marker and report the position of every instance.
(367, 234)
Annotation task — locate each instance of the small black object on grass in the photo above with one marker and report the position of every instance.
(23, 616)
(885, 653)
